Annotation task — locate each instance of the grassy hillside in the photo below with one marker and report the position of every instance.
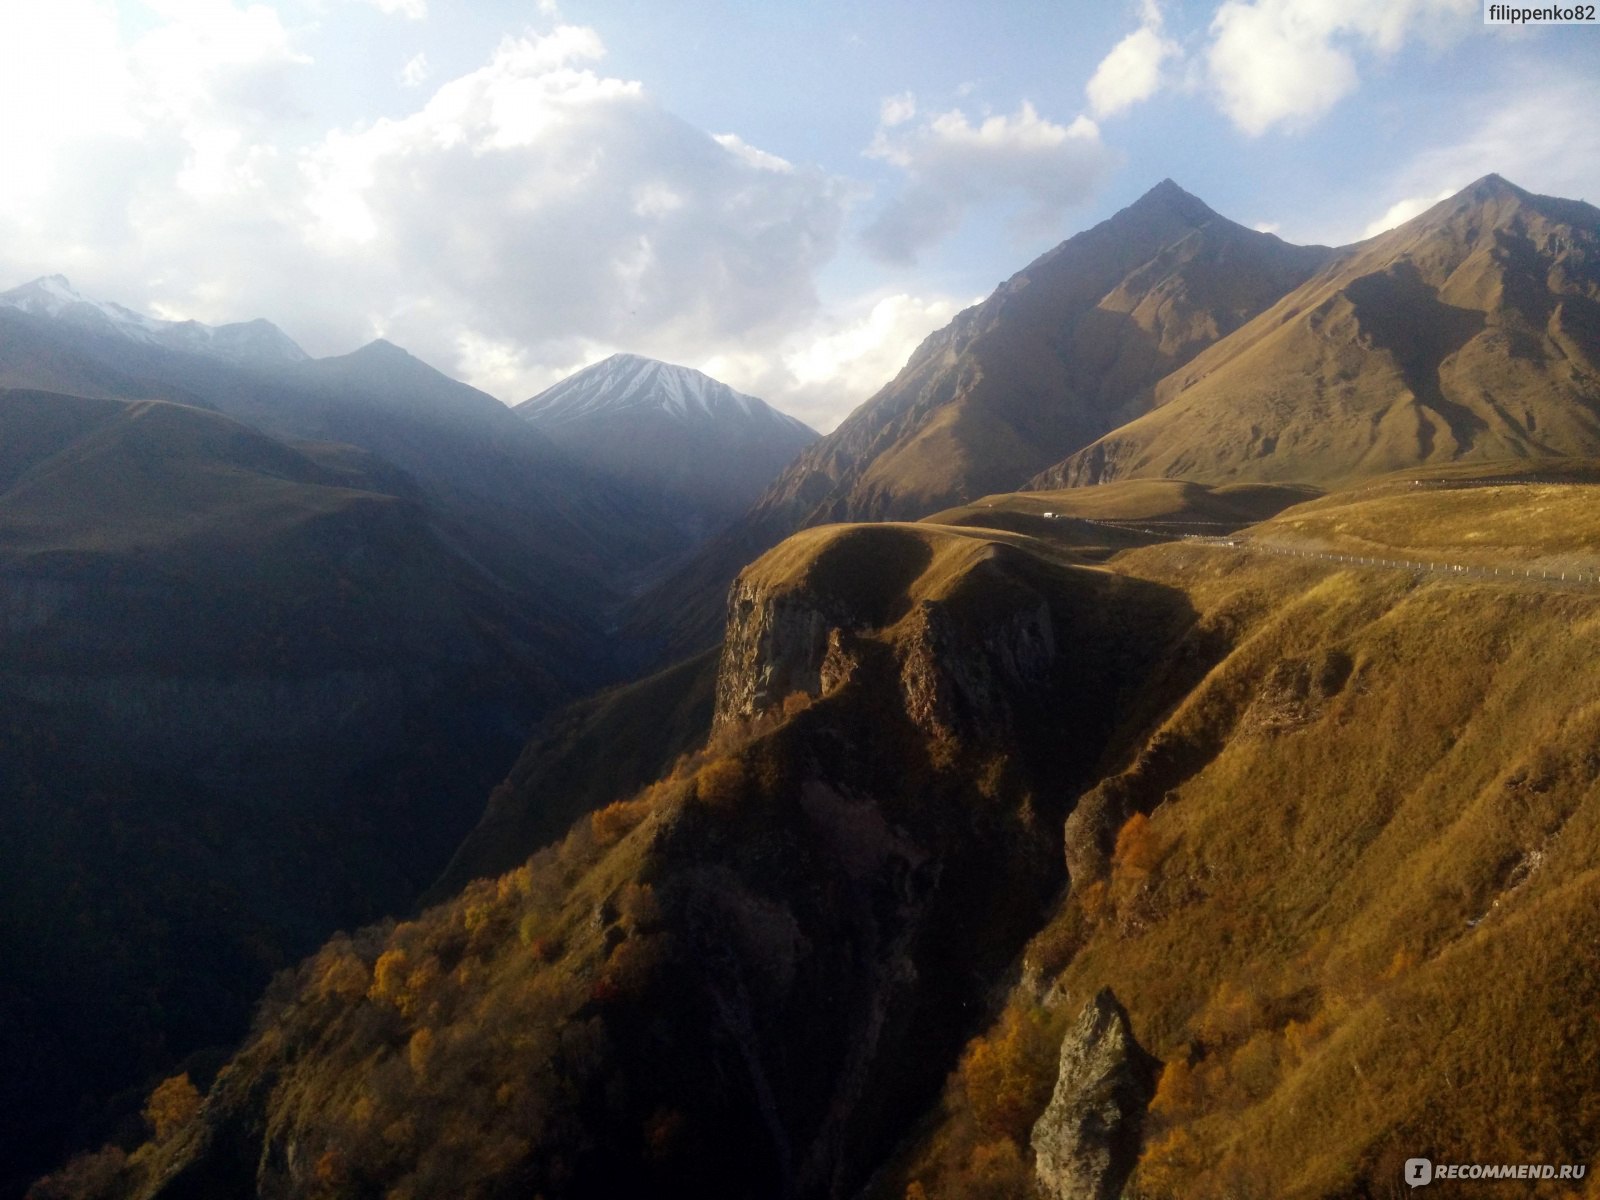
(1365, 837)
(1470, 333)
(1100, 521)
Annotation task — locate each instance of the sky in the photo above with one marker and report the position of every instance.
(789, 196)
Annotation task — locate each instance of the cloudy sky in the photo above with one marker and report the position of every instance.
(787, 195)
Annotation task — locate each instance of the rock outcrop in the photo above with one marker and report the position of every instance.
(775, 645)
(1087, 1141)
(953, 686)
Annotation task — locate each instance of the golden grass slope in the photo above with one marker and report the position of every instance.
(1470, 333)
(1356, 921)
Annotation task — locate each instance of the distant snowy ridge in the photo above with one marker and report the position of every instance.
(255, 342)
(630, 382)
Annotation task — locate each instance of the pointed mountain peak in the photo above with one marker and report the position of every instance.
(626, 382)
(1492, 187)
(1168, 197)
(381, 348)
(624, 358)
(1166, 188)
(44, 296)
(58, 285)
(380, 360)
(1493, 201)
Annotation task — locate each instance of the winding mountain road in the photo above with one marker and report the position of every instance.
(1508, 572)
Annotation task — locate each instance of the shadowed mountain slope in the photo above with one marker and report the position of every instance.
(554, 533)
(247, 696)
(756, 969)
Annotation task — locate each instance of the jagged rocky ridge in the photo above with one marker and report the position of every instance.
(258, 342)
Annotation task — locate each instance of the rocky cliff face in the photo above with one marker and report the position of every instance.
(953, 690)
(776, 645)
(961, 672)
(1087, 1141)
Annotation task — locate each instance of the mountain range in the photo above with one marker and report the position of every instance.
(275, 626)
(1466, 334)
(256, 342)
(1170, 342)
(1036, 797)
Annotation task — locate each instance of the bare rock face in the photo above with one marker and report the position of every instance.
(1087, 1141)
(955, 682)
(1091, 830)
(841, 662)
(775, 645)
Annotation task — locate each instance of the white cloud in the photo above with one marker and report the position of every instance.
(1512, 132)
(952, 164)
(1133, 70)
(539, 201)
(824, 370)
(1286, 62)
(416, 71)
(1508, 132)
(1273, 227)
(897, 110)
(1402, 211)
(839, 367)
(553, 215)
(517, 219)
(751, 155)
(63, 79)
(411, 10)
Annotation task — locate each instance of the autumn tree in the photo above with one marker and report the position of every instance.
(616, 820)
(720, 783)
(389, 975)
(1177, 1092)
(1009, 1074)
(174, 1103)
(1138, 849)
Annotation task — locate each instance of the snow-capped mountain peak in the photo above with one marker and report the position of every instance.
(630, 383)
(708, 450)
(255, 342)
